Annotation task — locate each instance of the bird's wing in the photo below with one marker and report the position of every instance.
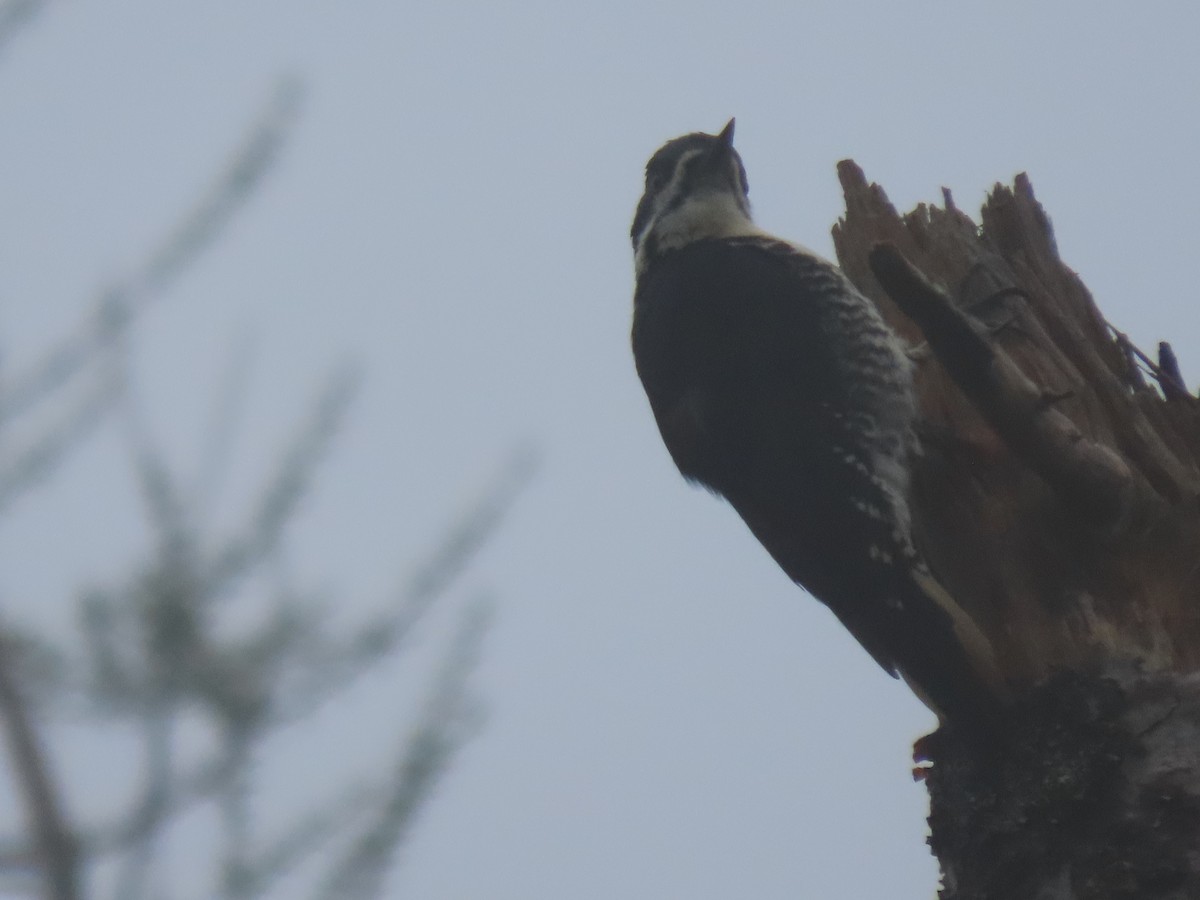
(776, 385)
(747, 377)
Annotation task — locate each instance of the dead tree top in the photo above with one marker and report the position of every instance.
(1058, 493)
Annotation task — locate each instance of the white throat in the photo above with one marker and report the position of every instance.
(712, 214)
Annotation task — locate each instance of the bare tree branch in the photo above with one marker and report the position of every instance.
(56, 849)
(42, 455)
(223, 427)
(154, 654)
(235, 814)
(15, 15)
(472, 530)
(195, 233)
(137, 869)
(201, 783)
(278, 501)
(332, 666)
(251, 161)
(283, 853)
(448, 719)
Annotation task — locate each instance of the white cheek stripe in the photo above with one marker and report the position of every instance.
(666, 192)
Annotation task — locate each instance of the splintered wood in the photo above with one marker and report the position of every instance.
(1057, 496)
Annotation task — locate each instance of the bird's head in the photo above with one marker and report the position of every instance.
(696, 188)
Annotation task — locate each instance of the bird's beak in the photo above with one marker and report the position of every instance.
(726, 135)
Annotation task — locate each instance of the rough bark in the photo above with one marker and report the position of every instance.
(1058, 499)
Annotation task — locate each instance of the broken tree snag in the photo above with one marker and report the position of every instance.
(1092, 480)
(1057, 498)
(1057, 495)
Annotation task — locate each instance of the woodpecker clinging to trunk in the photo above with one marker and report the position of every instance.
(778, 386)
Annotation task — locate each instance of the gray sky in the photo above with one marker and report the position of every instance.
(669, 716)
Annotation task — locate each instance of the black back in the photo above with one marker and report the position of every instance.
(733, 347)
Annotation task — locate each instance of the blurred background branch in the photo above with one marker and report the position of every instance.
(92, 352)
(15, 15)
(206, 628)
(52, 846)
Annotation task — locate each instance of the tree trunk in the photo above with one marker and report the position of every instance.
(1058, 499)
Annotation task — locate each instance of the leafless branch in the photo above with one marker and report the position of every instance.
(289, 485)
(462, 542)
(448, 719)
(283, 853)
(56, 849)
(118, 307)
(235, 814)
(251, 161)
(15, 15)
(139, 863)
(41, 456)
(222, 431)
(201, 783)
(334, 666)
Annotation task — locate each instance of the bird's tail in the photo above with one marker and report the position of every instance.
(955, 674)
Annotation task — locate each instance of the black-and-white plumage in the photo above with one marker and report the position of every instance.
(777, 385)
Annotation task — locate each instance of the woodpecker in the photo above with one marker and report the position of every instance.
(778, 386)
